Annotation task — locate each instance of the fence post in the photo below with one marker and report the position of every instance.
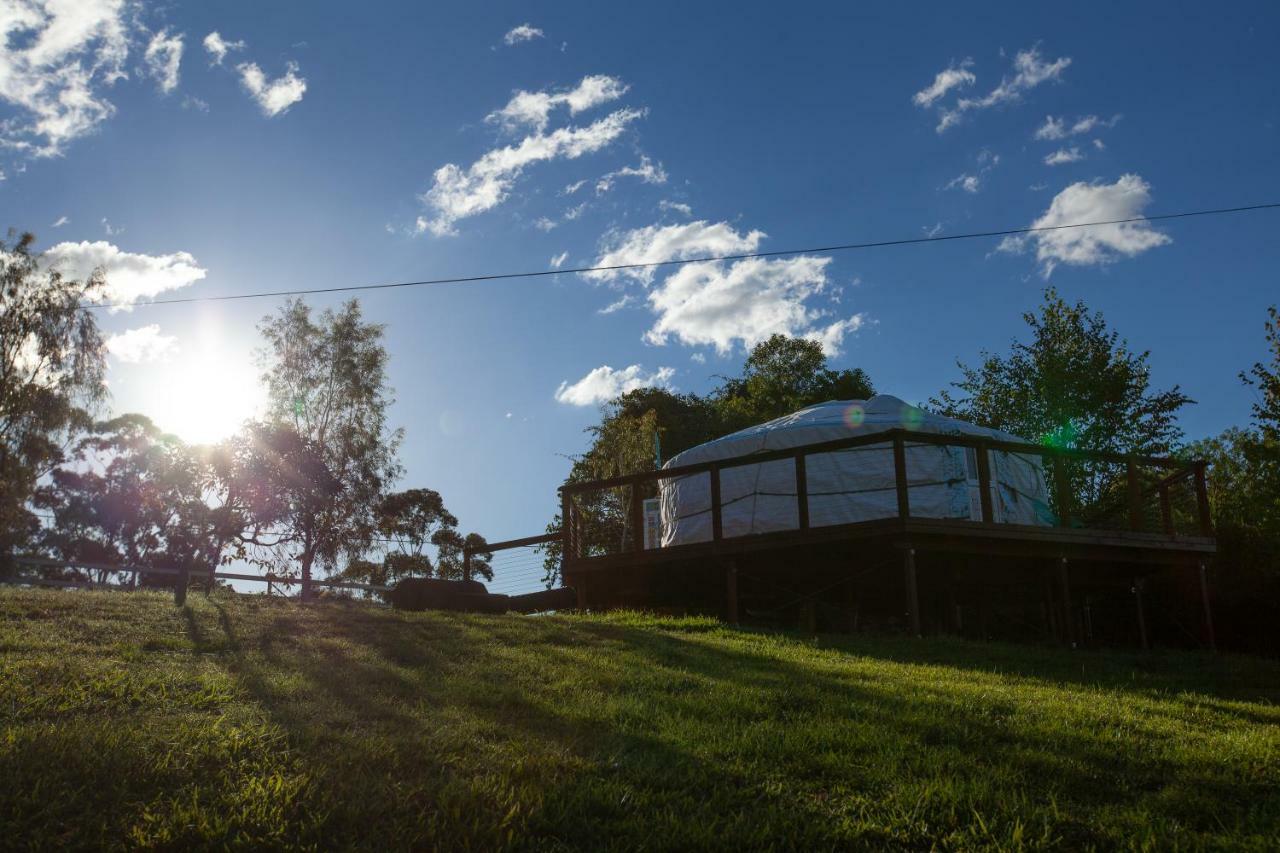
(717, 521)
(802, 492)
(1166, 511)
(466, 564)
(1135, 495)
(1202, 500)
(180, 587)
(900, 474)
(566, 529)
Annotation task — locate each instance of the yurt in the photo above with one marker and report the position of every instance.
(857, 484)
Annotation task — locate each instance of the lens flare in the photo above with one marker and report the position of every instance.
(854, 415)
(912, 417)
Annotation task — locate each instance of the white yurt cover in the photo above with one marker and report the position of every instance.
(857, 484)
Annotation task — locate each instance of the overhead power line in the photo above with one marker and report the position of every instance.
(842, 247)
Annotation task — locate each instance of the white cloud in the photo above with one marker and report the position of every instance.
(1099, 144)
(625, 301)
(55, 57)
(1056, 128)
(720, 303)
(524, 32)
(1103, 244)
(698, 358)
(59, 222)
(458, 193)
(129, 277)
(646, 172)
(677, 206)
(1064, 155)
(1029, 71)
(656, 243)
(604, 384)
(545, 223)
(558, 260)
(111, 230)
(218, 47)
(952, 77)
(142, 344)
(162, 57)
(273, 96)
(573, 187)
(533, 109)
(966, 182)
(932, 230)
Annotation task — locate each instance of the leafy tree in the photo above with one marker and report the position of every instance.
(51, 378)
(1074, 384)
(1266, 379)
(408, 522)
(450, 556)
(783, 375)
(326, 381)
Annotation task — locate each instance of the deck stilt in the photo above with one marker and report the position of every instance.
(1068, 617)
(1208, 610)
(912, 593)
(731, 591)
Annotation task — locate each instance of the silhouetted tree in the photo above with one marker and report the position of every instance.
(326, 380)
(51, 378)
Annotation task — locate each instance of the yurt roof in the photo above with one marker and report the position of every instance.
(831, 420)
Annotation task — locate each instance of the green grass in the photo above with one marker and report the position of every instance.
(244, 721)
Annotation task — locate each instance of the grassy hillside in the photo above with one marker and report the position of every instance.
(253, 721)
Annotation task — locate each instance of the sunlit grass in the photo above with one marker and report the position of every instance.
(252, 721)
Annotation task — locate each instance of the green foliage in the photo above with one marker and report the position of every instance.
(1075, 384)
(326, 381)
(51, 378)
(248, 722)
(1266, 379)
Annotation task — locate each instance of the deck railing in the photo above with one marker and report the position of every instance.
(1091, 490)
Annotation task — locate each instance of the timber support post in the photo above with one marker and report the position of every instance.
(180, 586)
(1134, 486)
(1209, 635)
(911, 589)
(900, 474)
(466, 565)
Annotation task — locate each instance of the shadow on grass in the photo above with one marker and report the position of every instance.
(490, 731)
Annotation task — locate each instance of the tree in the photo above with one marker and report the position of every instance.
(1266, 379)
(326, 381)
(408, 522)
(783, 375)
(450, 554)
(51, 378)
(1075, 384)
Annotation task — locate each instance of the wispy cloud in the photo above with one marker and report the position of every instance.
(1102, 244)
(1054, 129)
(557, 261)
(162, 59)
(217, 47)
(604, 384)
(457, 193)
(1030, 69)
(677, 206)
(647, 172)
(522, 33)
(533, 109)
(1064, 155)
(56, 58)
(952, 77)
(59, 222)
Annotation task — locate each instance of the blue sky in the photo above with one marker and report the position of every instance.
(326, 150)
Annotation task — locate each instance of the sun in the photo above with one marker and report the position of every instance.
(205, 396)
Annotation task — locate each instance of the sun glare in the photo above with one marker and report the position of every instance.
(206, 397)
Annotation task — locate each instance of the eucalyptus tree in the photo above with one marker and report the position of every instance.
(51, 378)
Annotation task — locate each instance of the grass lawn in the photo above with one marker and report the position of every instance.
(246, 721)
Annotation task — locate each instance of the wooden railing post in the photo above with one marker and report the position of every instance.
(1135, 495)
(1202, 500)
(717, 522)
(900, 474)
(180, 586)
(637, 518)
(802, 492)
(984, 482)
